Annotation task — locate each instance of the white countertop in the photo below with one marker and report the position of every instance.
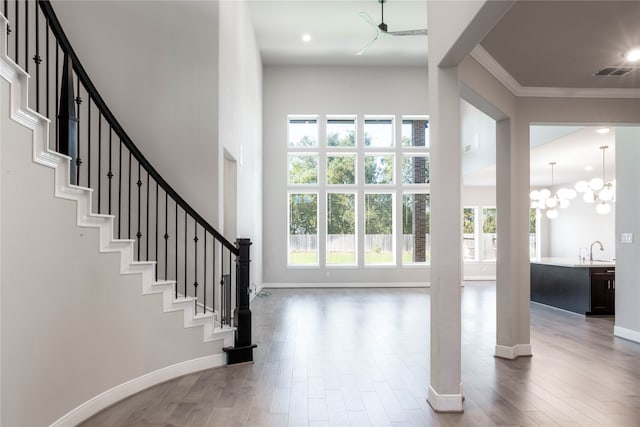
(572, 262)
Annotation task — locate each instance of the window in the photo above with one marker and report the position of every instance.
(378, 243)
(341, 229)
(378, 169)
(378, 132)
(489, 236)
(345, 190)
(303, 132)
(341, 132)
(303, 168)
(341, 169)
(469, 237)
(303, 229)
(416, 243)
(415, 132)
(415, 169)
(533, 236)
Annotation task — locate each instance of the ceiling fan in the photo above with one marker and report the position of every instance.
(382, 29)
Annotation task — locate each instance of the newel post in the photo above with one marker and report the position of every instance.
(68, 120)
(242, 351)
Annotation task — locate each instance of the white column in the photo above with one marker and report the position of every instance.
(445, 390)
(513, 272)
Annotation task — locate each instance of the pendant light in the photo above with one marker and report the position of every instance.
(598, 189)
(545, 199)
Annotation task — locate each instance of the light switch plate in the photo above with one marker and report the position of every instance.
(626, 238)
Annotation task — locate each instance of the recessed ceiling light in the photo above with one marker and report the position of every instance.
(633, 55)
(602, 131)
(588, 168)
(306, 38)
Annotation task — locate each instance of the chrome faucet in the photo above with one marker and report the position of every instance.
(591, 249)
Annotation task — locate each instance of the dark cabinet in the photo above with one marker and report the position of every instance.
(603, 291)
(581, 289)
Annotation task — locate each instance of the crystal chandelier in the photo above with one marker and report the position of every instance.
(545, 199)
(598, 190)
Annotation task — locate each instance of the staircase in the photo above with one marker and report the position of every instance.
(159, 238)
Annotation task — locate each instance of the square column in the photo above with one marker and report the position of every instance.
(445, 390)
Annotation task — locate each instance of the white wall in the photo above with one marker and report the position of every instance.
(628, 221)
(72, 326)
(577, 226)
(327, 90)
(240, 123)
(156, 65)
(478, 136)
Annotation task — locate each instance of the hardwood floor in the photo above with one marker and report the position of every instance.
(359, 357)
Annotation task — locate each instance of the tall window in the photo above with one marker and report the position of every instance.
(378, 244)
(416, 242)
(533, 236)
(469, 234)
(341, 229)
(489, 236)
(345, 191)
(303, 229)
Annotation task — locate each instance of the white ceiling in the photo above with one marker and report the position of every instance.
(540, 43)
(571, 152)
(338, 32)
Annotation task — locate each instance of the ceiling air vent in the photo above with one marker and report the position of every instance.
(614, 71)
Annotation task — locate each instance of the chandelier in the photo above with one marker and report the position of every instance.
(598, 190)
(545, 199)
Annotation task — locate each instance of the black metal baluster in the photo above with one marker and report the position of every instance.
(185, 254)
(110, 173)
(139, 234)
(57, 90)
(176, 254)
(195, 267)
(213, 277)
(129, 204)
(79, 159)
(157, 219)
(166, 235)
(204, 267)
(6, 4)
(89, 148)
(37, 60)
(17, 22)
(120, 189)
(147, 235)
(26, 36)
(100, 163)
(222, 290)
(46, 54)
(68, 121)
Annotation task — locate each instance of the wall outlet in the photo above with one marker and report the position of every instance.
(626, 238)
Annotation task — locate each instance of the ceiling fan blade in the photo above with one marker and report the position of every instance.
(365, 16)
(363, 50)
(424, 32)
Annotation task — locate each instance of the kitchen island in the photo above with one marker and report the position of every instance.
(581, 287)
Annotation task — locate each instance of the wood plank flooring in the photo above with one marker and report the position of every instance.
(359, 357)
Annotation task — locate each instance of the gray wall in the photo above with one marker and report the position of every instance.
(327, 90)
(628, 221)
(159, 76)
(72, 326)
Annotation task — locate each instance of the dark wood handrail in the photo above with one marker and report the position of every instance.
(56, 28)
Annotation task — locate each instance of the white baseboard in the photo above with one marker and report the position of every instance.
(349, 285)
(627, 334)
(445, 402)
(513, 352)
(119, 392)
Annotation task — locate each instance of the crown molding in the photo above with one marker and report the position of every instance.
(485, 59)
